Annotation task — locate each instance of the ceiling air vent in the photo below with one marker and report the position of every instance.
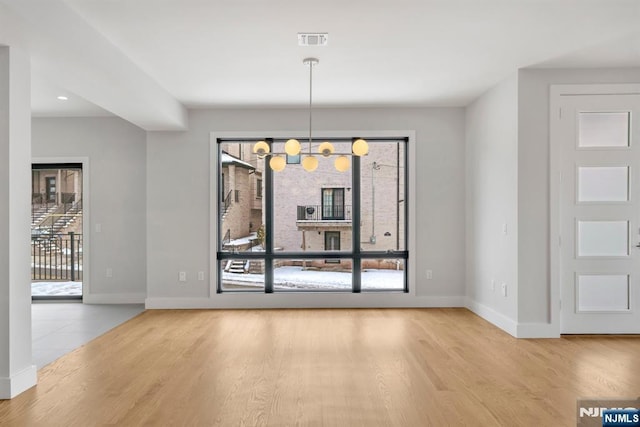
(313, 39)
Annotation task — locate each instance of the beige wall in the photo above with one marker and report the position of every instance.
(244, 216)
(238, 216)
(385, 184)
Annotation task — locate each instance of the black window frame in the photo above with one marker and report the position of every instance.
(270, 256)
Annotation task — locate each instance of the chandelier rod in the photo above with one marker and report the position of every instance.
(311, 63)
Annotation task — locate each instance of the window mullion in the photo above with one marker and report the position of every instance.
(269, 231)
(355, 226)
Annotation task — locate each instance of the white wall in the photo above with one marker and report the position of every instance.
(178, 190)
(17, 373)
(116, 151)
(533, 181)
(12, 31)
(492, 203)
(507, 155)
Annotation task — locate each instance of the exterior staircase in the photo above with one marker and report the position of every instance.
(226, 205)
(40, 213)
(55, 219)
(236, 266)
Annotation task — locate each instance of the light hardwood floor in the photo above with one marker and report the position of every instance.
(366, 367)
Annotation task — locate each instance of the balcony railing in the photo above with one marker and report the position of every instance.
(56, 257)
(324, 213)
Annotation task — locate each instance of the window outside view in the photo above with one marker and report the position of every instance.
(312, 216)
(56, 231)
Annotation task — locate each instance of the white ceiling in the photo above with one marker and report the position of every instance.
(145, 59)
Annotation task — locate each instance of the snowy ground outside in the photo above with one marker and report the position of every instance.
(284, 277)
(297, 278)
(56, 288)
(58, 267)
(243, 240)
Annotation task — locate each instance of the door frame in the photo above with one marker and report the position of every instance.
(86, 215)
(555, 175)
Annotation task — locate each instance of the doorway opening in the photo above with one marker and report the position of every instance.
(56, 231)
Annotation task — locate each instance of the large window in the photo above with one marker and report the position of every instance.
(313, 231)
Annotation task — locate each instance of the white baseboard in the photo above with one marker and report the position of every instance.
(176, 303)
(18, 383)
(518, 330)
(137, 298)
(263, 301)
(537, 330)
(490, 315)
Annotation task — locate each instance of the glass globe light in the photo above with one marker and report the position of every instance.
(261, 148)
(277, 163)
(360, 147)
(326, 149)
(341, 163)
(292, 147)
(310, 163)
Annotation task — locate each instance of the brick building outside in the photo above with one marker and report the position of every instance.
(313, 210)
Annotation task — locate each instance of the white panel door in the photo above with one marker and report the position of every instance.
(600, 210)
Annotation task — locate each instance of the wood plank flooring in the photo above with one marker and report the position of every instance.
(364, 367)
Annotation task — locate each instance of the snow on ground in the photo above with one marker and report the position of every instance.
(297, 278)
(284, 278)
(56, 288)
(243, 240)
(78, 267)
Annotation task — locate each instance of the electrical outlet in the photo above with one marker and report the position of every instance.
(109, 272)
(429, 274)
(182, 276)
(200, 275)
(504, 289)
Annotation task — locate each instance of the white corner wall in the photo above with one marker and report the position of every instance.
(116, 152)
(17, 372)
(178, 191)
(507, 182)
(536, 316)
(492, 204)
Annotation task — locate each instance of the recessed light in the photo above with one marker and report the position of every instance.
(63, 98)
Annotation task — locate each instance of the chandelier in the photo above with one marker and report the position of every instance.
(292, 147)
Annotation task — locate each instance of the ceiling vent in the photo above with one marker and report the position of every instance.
(313, 39)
